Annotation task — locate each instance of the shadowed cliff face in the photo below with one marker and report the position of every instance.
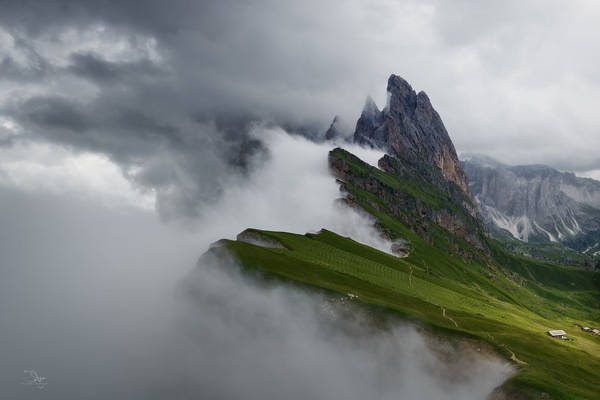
(537, 203)
(420, 201)
(412, 130)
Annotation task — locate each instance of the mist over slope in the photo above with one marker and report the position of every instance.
(292, 190)
(262, 341)
(111, 317)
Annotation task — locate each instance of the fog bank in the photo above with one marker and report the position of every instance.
(239, 338)
(293, 191)
(100, 298)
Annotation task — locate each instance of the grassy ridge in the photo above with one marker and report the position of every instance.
(499, 312)
(489, 292)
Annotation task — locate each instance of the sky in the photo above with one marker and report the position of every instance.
(168, 92)
(134, 133)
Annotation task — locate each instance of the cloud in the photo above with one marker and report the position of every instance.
(83, 283)
(291, 191)
(101, 302)
(159, 88)
(45, 169)
(254, 341)
(90, 66)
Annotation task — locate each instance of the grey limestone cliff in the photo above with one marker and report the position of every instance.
(536, 202)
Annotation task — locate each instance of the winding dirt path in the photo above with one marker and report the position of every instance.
(514, 357)
(444, 314)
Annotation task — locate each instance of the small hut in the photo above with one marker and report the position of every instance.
(559, 333)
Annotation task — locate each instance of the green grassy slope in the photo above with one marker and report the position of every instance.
(511, 317)
(476, 288)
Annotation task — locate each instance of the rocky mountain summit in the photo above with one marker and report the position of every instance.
(429, 185)
(411, 129)
(537, 202)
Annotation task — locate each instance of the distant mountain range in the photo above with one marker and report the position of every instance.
(536, 203)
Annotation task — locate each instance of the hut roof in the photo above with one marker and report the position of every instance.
(558, 332)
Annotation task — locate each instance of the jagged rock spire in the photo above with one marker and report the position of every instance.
(370, 120)
(412, 130)
(338, 129)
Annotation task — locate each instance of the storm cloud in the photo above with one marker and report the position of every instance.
(170, 92)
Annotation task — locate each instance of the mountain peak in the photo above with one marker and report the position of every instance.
(482, 160)
(397, 83)
(368, 126)
(370, 108)
(338, 129)
(402, 97)
(411, 130)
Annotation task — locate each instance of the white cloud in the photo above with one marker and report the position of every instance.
(8, 128)
(52, 169)
(294, 191)
(594, 174)
(279, 342)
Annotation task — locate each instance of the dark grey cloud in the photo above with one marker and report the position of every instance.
(94, 68)
(172, 90)
(54, 113)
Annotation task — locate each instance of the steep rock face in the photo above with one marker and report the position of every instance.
(403, 193)
(536, 202)
(369, 127)
(411, 129)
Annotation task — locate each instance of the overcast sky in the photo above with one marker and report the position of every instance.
(168, 91)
